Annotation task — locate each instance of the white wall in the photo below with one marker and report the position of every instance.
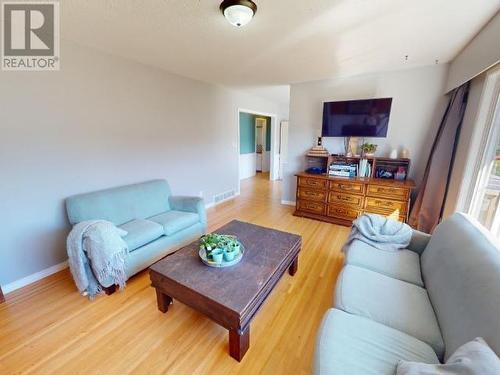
(247, 165)
(266, 161)
(104, 121)
(482, 52)
(417, 107)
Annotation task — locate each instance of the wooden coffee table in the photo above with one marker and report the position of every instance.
(229, 296)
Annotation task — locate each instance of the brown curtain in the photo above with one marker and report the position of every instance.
(428, 208)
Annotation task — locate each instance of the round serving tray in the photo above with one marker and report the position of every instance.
(210, 263)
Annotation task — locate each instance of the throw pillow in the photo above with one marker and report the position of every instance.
(472, 358)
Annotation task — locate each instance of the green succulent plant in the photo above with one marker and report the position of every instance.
(218, 241)
(369, 148)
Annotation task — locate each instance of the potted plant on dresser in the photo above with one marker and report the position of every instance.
(368, 149)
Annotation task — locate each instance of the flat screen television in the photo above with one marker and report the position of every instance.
(356, 118)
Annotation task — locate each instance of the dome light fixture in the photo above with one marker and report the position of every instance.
(238, 12)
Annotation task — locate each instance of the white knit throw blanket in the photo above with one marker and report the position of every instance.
(380, 232)
(97, 255)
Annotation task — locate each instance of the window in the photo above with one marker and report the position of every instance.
(486, 196)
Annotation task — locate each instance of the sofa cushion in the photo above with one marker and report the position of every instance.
(121, 204)
(389, 301)
(461, 270)
(140, 232)
(175, 221)
(402, 264)
(352, 345)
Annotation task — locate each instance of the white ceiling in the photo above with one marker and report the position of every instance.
(288, 41)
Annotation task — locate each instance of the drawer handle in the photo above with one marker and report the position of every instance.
(384, 203)
(386, 190)
(311, 193)
(347, 199)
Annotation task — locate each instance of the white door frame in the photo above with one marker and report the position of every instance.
(274, 127)
(283, 154)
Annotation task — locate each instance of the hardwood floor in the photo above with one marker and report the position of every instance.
(47, 328)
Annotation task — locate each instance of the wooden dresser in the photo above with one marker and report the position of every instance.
(340, 200)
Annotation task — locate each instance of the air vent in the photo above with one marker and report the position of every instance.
(219, 198)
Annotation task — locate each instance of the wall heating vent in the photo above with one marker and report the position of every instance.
(224, 196)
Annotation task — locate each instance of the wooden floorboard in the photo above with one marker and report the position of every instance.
(48, 328)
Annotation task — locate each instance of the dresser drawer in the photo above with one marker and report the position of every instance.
(387, 192)
(342, 212)
(395, 215)
(343, 198)
(385, 205)
(317, 183)
(347, 186)
(309, 206)
(312, 195)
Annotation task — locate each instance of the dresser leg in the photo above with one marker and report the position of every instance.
(239, 341)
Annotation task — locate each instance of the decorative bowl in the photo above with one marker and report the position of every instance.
(237, 258)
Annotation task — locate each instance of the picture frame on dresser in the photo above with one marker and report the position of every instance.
(2, 298)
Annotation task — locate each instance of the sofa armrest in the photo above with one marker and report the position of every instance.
(419, 241)
(189, 204)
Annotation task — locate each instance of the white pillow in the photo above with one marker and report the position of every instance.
(472, 358)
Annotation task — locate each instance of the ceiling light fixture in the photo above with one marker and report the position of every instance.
(238, 12)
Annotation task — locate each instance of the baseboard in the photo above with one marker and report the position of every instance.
(34, 277)
(288, 203)
(213, 204)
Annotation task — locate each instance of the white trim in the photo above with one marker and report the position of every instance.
(288, 203)
(34, 277)
(247, 165)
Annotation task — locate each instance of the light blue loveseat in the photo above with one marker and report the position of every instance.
(157, 222)
(419, 304)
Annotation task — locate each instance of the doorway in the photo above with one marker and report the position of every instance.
(258, 144)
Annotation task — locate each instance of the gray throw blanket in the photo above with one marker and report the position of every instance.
(97, 254)
(380, 232)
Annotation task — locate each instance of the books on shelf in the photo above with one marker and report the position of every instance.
(365, 168)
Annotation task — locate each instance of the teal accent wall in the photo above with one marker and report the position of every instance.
(268, 133)
(247, 132)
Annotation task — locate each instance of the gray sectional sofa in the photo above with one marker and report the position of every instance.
(157, 222)
(418, 304)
